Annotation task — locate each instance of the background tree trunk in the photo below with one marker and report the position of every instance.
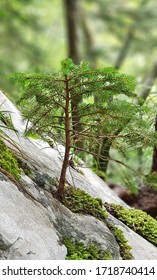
(71, 13)
(148, 84)
(72, 18)
(106, 144)
(154, 161)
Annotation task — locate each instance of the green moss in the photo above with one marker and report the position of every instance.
(101, 174)
(31, 134)
(80, 171)
(139, 221)
(125, 248)
(8, 160)
(79, 201)
(78, 251)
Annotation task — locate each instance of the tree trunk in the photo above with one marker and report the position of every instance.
(105, 149)
(90, 51)
(154, 162)
(106, 145)
(104, 154)
(125, 48)
(72, 9)
(65, 164)
(149, 82)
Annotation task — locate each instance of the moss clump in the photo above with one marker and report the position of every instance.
(101, 174)
(139, 221)
(78, 251)
(79, 201)
(125, 248)
(8, 160)
(31, 134)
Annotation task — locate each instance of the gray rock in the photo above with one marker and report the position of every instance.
(85, 228)
(26, 231)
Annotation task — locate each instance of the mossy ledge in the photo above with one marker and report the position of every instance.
(137, 220)
(125, 248)
(8, 160)
(78, 201)
(79, 251)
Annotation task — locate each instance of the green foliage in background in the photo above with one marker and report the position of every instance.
(24, 34)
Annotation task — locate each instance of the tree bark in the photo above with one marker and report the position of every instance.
(154, 161)
(71, 11)
(104, 152)
(149, 81)
(125, 48)
(105, 146)
(65, 164)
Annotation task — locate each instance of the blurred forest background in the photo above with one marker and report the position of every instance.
(36, 35)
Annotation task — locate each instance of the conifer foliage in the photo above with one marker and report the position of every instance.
(47, 103)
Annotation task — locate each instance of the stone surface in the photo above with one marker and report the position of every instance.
(25, 228)
(29, 230)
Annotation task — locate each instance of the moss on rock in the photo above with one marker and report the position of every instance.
(79, 251)
(125, 248)
(78, 201)
(139, 221)
(100, 173)
(8, 160)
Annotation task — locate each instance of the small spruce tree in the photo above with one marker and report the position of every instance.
(47, 103)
